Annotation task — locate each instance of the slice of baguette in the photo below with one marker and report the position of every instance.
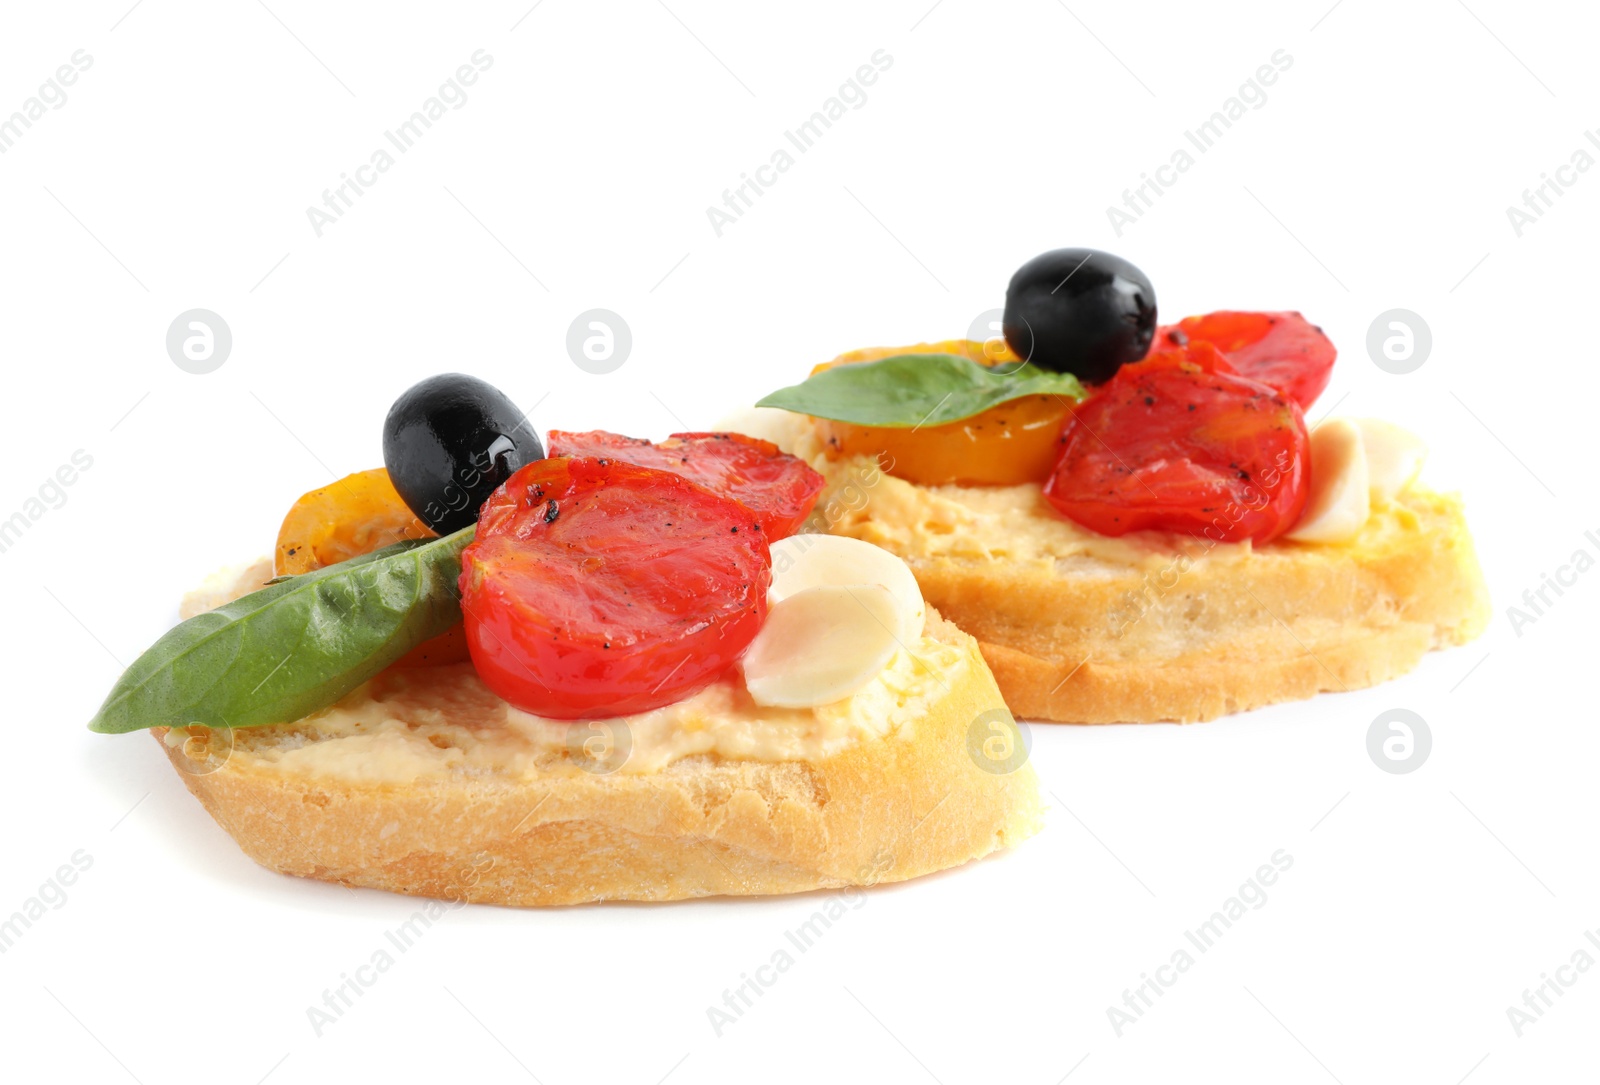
(883, 808)
(1089, 630)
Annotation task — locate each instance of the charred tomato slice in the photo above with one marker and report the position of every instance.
(1283, 350)
(779, 488)
(599, 588)
(1181, 443)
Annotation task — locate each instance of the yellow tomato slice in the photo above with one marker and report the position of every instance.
(1005, 445)
(353, 516)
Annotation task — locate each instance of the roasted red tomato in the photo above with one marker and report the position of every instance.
(776, 486)
(1179, 442)
(1282, 350)
(598, 588)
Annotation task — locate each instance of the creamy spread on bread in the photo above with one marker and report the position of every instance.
(1016, 525)
(419, 723)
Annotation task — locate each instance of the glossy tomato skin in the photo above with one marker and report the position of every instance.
(596, 588)
(1283, 350)
(1181, 443)
(779, 488)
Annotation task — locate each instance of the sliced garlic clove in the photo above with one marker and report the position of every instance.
(1341, 498)
(801, 562)
(1395, 457)
(821, 645)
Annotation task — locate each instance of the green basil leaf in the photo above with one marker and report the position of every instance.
(915, 390)
(289, 649)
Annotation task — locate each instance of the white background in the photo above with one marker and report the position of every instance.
(577, 175)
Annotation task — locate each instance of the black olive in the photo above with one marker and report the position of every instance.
(1080, 311)
(448, 442)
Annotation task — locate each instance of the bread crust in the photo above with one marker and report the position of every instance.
(883, 809)
(1195, 641)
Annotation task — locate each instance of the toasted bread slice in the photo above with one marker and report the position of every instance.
(1081, 628)
(431, 795)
